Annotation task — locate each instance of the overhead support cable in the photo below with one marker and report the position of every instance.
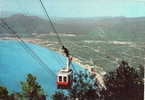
(26, 30)
(53, 27)
(26, 47)
(66, 51)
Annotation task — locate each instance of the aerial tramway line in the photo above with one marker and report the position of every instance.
(65, 75)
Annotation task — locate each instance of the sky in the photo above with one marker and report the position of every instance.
(75, 8)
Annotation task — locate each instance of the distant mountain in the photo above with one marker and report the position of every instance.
(5, 14)
(110, 26)
(27, 24)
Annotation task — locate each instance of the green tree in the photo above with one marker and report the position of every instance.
(141, 71)
(85, 87)
(59, 95)
(31, 89)
(4, 93)
(124, 83)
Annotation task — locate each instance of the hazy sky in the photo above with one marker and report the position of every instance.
(76, 8)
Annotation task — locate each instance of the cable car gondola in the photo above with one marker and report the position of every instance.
(65, 75)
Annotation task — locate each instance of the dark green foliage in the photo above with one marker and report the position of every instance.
(59, 95)
(141, 71)
(124, 83)
(85, 87)
(31, 89)
(3, 93)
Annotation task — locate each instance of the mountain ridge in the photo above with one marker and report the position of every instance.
(111, 27)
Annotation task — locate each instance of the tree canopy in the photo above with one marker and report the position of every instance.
(124, 83)
(31, 89)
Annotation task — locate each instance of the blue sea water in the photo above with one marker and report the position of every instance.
(16, 63)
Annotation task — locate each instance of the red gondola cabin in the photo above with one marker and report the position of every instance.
(65, 75)
(64, 78)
